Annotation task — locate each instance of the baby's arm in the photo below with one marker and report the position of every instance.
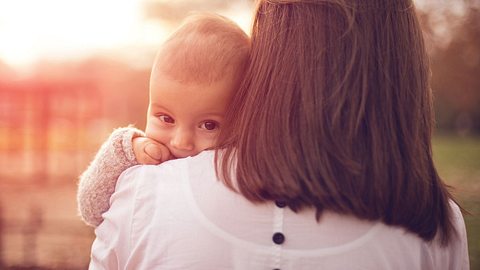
(124, 148)
(98, 182)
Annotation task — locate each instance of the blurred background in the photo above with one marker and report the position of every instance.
(71, 71)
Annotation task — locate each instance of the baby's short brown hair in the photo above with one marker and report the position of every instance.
(204, 49)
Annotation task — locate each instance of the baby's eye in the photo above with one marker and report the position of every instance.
(210, 125)
(166, 119)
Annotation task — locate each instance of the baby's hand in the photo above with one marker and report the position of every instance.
(148, 151)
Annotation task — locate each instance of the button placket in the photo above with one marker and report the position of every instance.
(278, 237)
(280, 203)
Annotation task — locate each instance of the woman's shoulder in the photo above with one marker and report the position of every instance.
(171, 170)
(456, 212)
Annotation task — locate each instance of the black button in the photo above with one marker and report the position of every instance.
(276, 269)
(280, 203)
(278, 238)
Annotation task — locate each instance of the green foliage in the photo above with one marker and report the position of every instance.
(458, 162)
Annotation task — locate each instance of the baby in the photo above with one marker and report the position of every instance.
(193, 77)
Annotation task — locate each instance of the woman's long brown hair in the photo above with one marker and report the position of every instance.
(335, 113)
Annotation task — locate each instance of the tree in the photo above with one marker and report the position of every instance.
(453, 40)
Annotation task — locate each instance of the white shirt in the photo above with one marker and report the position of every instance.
(177, 215)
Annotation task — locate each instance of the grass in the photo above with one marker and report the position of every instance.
(458, 162)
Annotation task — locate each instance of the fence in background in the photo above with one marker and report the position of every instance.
(45, 141)
(45, 129)
(39, 242)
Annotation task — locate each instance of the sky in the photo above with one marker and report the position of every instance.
(33, 30)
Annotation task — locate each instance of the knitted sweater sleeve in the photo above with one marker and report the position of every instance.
(98, 182)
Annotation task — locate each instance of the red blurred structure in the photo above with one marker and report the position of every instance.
(41, 128)
(45, 141)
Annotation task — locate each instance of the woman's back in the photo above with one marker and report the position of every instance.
(179, 216)
(334, 118)
(335, 112)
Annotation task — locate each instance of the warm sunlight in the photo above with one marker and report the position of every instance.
(31, 29)
(72, 71)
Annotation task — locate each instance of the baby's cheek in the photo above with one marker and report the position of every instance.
(158, 135)
(207, 143)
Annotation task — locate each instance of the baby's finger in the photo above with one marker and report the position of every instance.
(147, 160)
(156, 152)
(166, 155)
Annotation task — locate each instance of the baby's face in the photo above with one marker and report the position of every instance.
(186, 117)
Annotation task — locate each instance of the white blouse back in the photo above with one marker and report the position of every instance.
(178, 215)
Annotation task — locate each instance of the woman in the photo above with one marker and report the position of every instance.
(326, 164)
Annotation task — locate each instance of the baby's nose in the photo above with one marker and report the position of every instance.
(183, 140)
